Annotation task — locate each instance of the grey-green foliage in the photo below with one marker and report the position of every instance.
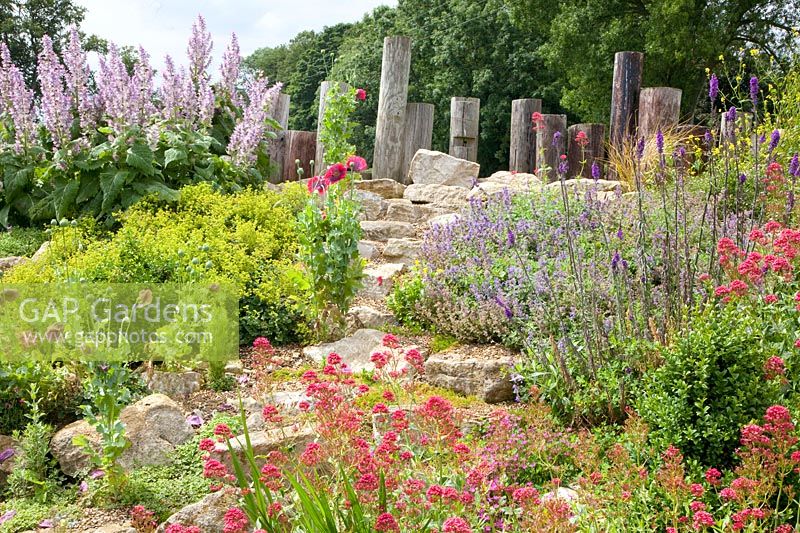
(34, 473)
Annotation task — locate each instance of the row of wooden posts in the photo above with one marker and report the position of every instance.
(404, 127)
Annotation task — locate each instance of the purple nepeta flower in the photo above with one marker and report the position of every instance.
(615, 260)
(619, 234)
(640, 148)
(754, 90)
(708, 138)
(8, 515)
(774, 139)
(762, 139)
(512, 239)
(6, 454)
(742, 178)
(794, 166)
(556, 138)
(713, 88)
(660, 141)
(563, 167)
(595, 170)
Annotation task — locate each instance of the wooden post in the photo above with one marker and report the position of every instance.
(324, 89)
(418, 133)
(465, 115)
(280, 110)
(522, 154)
(659, 108)
(582, 152)
(387, 161)
(550, 143)
(295, 145)
(625, 95)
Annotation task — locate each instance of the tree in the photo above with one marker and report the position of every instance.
(680, 39)
(23, 23)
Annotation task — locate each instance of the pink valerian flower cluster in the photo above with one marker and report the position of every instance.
(180, 528)
(55, 102)
(395, 361)
(16, 101)
(235, 521)
(249, 133)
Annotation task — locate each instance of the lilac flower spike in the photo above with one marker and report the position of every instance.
(55, 103)
(713, 88)
(199, 50)
(595, 170)
(556, 138)
(249, 132)
(794, 166)
(774, 139)
(754, 90)
(229, 70)
(660, 141)
(640, 148)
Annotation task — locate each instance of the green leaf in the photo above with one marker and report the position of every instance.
(68, 193)
(141, 157)
(112, 186)
(173, 154)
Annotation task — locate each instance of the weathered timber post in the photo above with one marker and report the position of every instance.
(625, 95)
(585, 149)
(387, 161)
(659, 108)
(550, 145)
(418, 133)
(280, 110)
(522, 153)
(324, 89)
(296, 145)
(465, 115)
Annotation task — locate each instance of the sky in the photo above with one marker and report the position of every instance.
(163, 26)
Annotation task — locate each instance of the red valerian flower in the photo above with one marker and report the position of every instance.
(335, 173)
(713, 476)
(386, 522)
(702, 519)
(222, 430)
(361, 94)
(235, 521)
(356, 163)
(581, 138)
(455, 524)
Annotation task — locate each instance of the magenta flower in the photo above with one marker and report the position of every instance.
(335, 173)
(356, 163)
(361, 94)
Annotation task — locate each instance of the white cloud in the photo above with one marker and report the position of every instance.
(163, 26)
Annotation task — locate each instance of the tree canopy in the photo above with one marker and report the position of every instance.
(561, 51)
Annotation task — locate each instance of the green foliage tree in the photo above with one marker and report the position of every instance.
(679, 37)
(23, 23)
(301, 65)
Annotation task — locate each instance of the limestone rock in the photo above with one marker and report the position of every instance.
(402, 250)
(154, 425)
(437, 195)
(368, 249)
(486, 376)
(514, 182)
(443, 220)
(174, 384)
(585, 184)
(429, 167)
(207, 514)
(402, 210)
(386, 188)
(114, 528)
(41, 251)
(7, 263)
(355, 350)
(372, 205)
(379, 280)
(262, 442)
(383, 230)
(363, 316)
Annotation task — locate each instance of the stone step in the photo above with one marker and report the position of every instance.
(379, 279)
(403, 251)
(365, 316)
(484, 372)
(383, 230)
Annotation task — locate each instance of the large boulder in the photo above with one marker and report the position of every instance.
(386, 188)
(154, 426)
(372, 205)
(484, 372)
(379, 280)
(208, 514)
(437, 195)
(355, 350)
(7, 263)
(429, 167)
(513, 182)
(383, 230)
(585, 184)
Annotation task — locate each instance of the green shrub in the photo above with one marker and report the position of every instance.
(21, 241)
(711, 384)
(247, 239)
(403, 301)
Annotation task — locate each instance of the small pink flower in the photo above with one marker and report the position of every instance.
(361, 94)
